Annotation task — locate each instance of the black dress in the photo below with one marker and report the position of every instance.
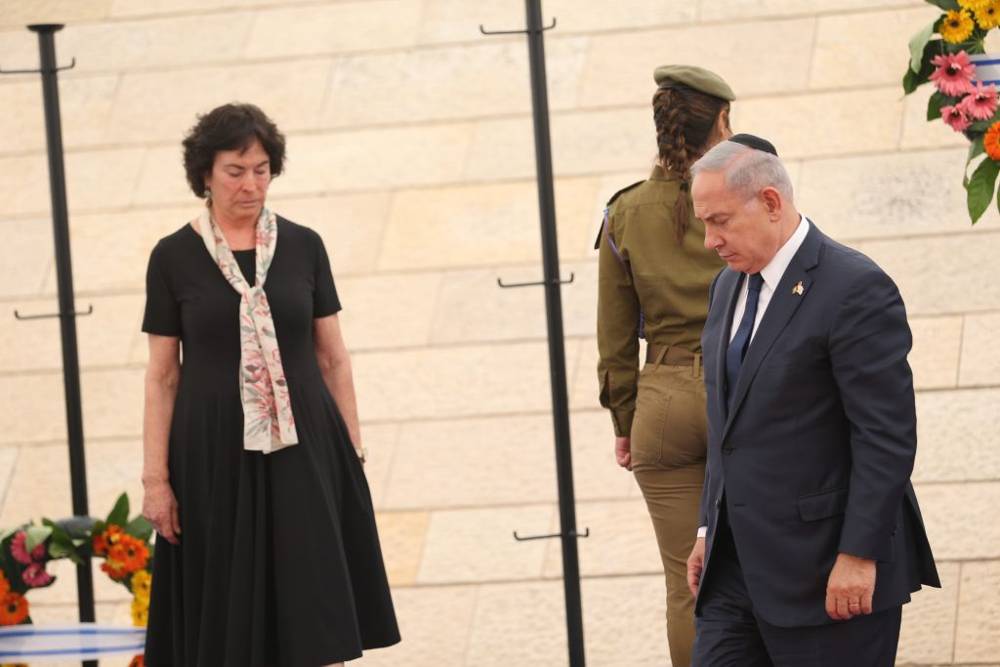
(279, 563)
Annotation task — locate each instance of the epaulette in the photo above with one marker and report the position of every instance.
(623, 190)
(607, 207)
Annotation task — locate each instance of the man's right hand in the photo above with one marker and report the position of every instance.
(159, 506)
(623, 451)
(695, 565)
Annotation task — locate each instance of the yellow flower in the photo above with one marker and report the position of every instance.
(140, 612)
(973, 5)
(988, 16)
(956, 26)
(142, 582)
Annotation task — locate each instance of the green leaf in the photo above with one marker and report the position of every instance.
(58, 532)
(981, 187)
(36, 536)
(119, 514)
(913, 79)
(976, 149)
(946, 5)
(59, 541)
(965, 175)
(979, 126)
(934, 104)
(60, 550)
(976, 49)
(917, 44)
(140, 529)
(998, 208)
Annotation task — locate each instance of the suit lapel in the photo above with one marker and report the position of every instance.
(782, 307)
(729, 289)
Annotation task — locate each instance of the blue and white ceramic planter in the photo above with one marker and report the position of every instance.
(987, 68)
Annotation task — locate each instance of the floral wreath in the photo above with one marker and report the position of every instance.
(962, 100)
(124, 545)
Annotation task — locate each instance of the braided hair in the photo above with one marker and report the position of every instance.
(684, 119)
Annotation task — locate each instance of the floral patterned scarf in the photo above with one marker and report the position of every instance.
(268, 424)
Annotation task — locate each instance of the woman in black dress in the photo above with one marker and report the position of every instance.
(267, 552)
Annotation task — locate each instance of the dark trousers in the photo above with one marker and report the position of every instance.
(729, 633)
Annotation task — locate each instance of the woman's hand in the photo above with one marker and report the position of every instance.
(623, 452)
(695, 566)
(159, 506)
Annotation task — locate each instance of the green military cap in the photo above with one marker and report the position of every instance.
(698, 78)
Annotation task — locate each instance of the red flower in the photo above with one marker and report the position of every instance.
(35, 576)
(954, 73)
(991, 142)
(102, 541)
(19, 549)
(981, 103)
(955, 117)
(114, 569)
(126, 556)
(13, 609)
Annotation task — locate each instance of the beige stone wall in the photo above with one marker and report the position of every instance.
(411, 152)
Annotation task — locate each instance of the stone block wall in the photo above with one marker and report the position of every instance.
(410, 151)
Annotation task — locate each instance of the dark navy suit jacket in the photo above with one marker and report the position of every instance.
(815, 455)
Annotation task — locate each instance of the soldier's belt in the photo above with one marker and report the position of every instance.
(669, 355)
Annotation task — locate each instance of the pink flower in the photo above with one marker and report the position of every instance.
(954, 73)
(18, 549)
(955, 117)
(981, 103)
(35, 576)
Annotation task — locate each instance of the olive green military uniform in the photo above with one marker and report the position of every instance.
(652, 286)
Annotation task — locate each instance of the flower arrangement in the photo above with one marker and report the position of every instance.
(123, 544)
(944, 53)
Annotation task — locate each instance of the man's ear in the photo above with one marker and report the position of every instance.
(772, 202)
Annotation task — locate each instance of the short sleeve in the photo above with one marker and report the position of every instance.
(325, 299)
(162, 316)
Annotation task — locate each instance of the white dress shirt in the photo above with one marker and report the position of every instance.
(772, 274)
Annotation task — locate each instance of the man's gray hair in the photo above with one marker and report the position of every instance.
(747, 170)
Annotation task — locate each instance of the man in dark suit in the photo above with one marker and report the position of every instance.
(812, 539)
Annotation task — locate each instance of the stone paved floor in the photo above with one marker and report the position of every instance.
(410, 151)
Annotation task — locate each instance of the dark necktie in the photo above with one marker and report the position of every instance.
(741, 341)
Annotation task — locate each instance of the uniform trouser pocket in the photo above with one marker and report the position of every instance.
(669, 429)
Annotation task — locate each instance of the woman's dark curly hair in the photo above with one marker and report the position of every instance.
(684, 120)
(226, 128)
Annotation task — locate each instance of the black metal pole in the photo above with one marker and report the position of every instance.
(67, 309)
(557, 353)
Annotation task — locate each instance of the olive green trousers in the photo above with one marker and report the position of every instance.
(668, 460)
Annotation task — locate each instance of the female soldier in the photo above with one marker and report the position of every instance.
(654, 274)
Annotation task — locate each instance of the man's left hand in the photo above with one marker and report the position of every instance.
(850, 588)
